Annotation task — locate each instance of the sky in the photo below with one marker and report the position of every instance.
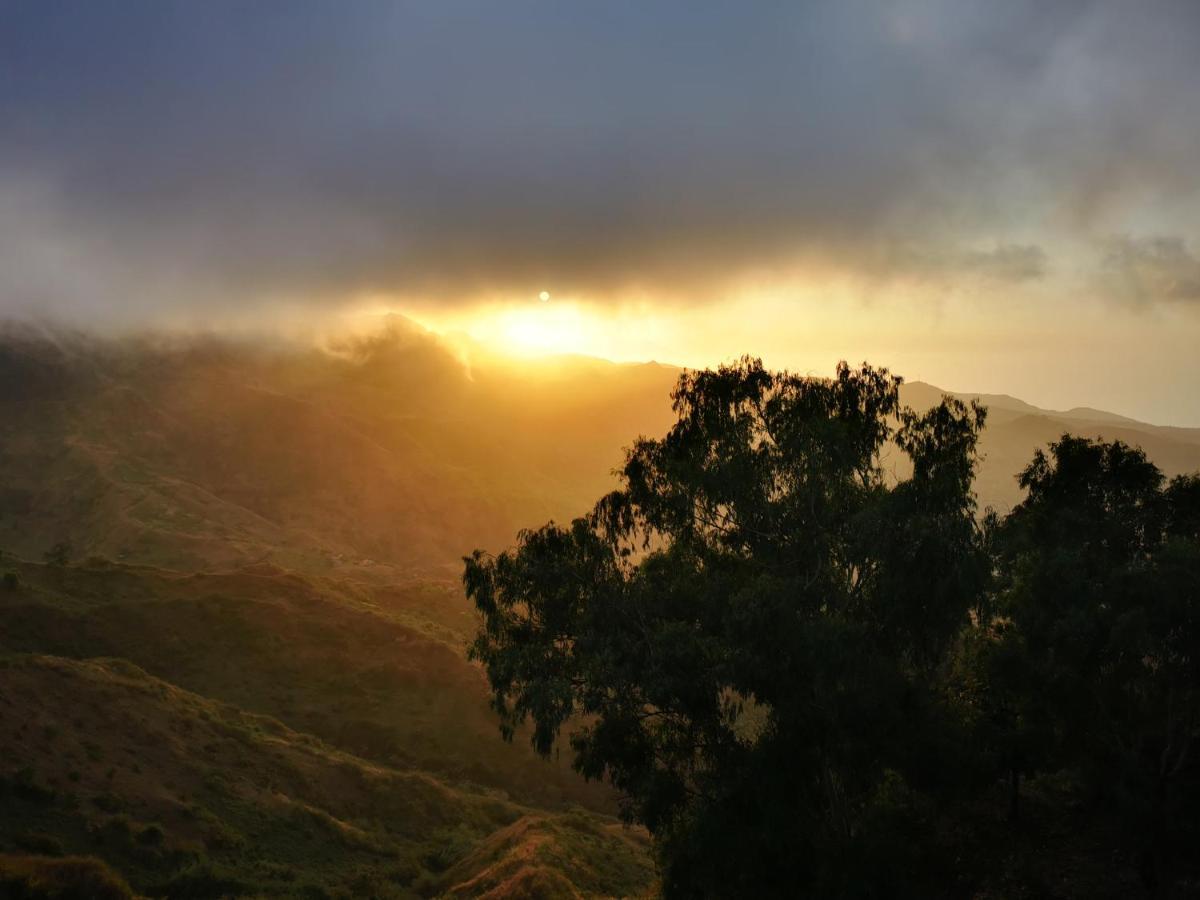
(996, 197)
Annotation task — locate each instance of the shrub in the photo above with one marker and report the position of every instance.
(39, 842)
(59, 555)
(24, 785)
(109, 802)
(202, 879)
(42, 878)
(426, 884)
(9, 581)
(404, 872)
(370, 883)
(219, 836)
(151, 835)
(449, 846)
(118, 830)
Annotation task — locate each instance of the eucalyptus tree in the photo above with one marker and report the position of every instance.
(1100, 614)
(749, 637)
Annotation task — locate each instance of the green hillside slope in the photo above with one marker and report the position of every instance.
(189, 797)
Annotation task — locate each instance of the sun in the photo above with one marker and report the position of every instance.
(527, 329)
(551, 329)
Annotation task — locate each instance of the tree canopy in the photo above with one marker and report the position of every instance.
(802, 656)
(1099, 607)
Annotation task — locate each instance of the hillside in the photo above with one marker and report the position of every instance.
(189, 797)
(245, 671)
(386, 458)
(272, 534)
(371, 670)
(1015, 429)
(207, 454)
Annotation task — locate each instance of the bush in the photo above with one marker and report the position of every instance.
(9, 581)
(426, 884)
(151, 835)
(404, 872)
(220, 836)
(108, 802)
(24, 785)
(39, 842)
(449, 846)
(59, 555)
(370, 883)
(117, 831)
(69, 878)
(202, 879)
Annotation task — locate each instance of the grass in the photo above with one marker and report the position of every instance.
(68, 878)
(292, 649)
(224, 797)
(255, 673)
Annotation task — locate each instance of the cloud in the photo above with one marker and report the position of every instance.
(218, 156)
(1151, 269)
(1009, 263)
(1003, 264)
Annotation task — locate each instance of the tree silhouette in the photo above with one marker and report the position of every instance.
(747, 638)
(1101, 610)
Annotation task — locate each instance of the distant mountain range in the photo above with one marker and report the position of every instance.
(1016, 428)
(386, 455)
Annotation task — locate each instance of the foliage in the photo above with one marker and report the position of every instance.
(39, 842)
(295, 816)
(758, 565)
(202, 880)
(60, 554)
(68, 878)
(1099, 614)
(810, 667)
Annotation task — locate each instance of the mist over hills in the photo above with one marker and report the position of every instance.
(387, 457)
(262, 542)
(1016, 428)
(207, 453)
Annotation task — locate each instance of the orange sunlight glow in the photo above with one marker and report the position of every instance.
(803, 326)
(548, 327)
(789, 325)
(535, 331)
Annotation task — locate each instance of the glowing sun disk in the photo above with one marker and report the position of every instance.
(538, 330)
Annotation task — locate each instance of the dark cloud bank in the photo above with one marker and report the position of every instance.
(160, 155)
